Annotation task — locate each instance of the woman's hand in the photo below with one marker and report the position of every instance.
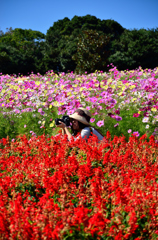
(65, 130)
(61, 125)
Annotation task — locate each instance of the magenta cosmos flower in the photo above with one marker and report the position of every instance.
(136, 134)
(118, 118)
(136, 115)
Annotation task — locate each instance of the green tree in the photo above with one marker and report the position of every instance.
(62, 39)
(25, 51)
(92, 52)
(54, 44)
(135, 48)
(21, 51)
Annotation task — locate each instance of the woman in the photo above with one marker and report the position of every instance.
(80, 125)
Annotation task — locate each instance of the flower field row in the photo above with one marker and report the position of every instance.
(54, 189)
(120, 101)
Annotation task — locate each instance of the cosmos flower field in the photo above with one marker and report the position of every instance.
(122, 102)
(54, 189)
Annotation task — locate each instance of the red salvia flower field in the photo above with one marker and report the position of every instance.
(54, 189)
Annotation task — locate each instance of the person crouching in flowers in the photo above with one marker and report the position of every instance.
(80, 126)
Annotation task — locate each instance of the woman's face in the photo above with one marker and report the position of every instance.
(75, 124)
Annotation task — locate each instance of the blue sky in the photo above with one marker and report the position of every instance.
(41, 14)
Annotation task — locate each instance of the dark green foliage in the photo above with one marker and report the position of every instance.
(61, 50)
(35, 193)
(21, 51)
(10, 59)
(92, 52)
(62, 42)
(135, 48)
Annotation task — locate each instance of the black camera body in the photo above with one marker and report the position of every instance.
(64, 119)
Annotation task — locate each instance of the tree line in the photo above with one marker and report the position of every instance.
(80, 44)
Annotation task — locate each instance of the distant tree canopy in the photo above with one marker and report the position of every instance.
(92, 51)
(21, 51)
(135, 48)
(80, 44)
(62, 39)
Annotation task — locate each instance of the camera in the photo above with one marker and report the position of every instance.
(64, 119)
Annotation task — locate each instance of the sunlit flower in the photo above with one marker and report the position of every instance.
(100, 123)
(136, 134)
(129, 130)
(43, 122)
(92, 120)
(153, 109)
(136, 115)
(96, 113)
(17, 111)
(40, 110)
(70, 112)
(52, 124)
(118, 118)
(50, 99)
(145, 120)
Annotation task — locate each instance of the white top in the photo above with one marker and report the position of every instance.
(86, 132)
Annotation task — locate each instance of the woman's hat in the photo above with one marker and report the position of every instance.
(82, 115)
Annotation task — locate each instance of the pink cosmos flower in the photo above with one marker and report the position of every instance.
(92, 120)
(100, 123)
(96, 113)
(129, 130)
(116, 124)
(17, 111)
(69, 112)
(40, 110)
(50, 99)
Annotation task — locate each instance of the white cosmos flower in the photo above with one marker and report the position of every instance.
(145, 119)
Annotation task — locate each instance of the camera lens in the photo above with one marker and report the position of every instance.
(66, 120)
